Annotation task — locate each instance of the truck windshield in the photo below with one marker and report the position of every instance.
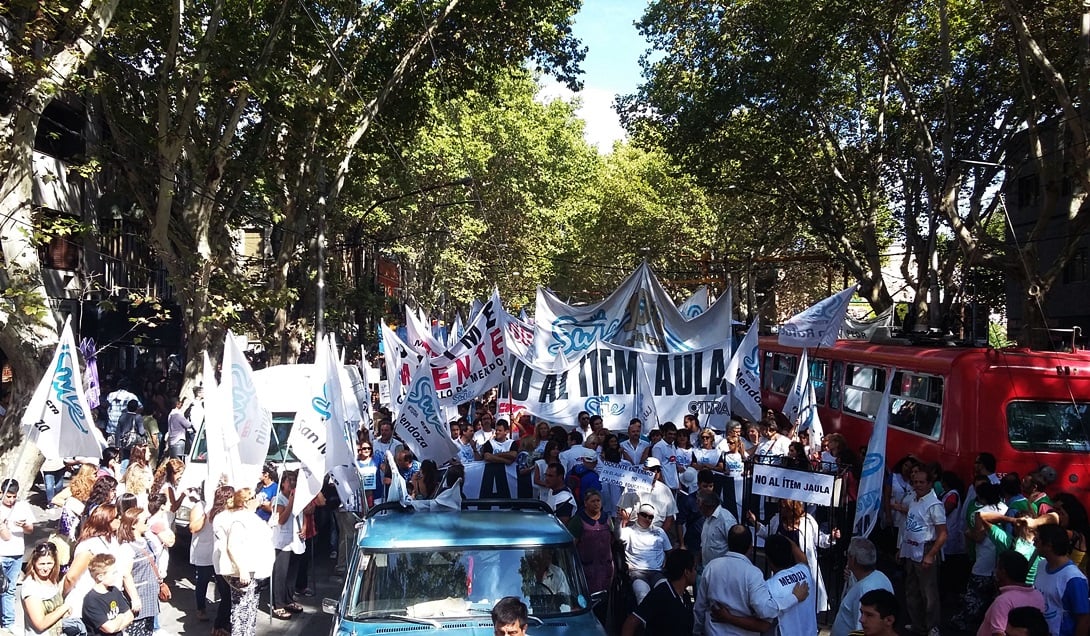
(464, 582)
(1049, 426)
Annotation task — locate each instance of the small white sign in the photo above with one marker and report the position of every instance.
(625, 475)
(775, 481)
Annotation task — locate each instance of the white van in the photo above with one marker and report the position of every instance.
(280, 390)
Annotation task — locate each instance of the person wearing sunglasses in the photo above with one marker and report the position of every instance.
(645, 547)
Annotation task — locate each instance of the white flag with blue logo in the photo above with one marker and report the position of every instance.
(808, 416)
(744, 374)
(818, 325)
(792, 405)
(315, 428)
(871, 481)
(252, 422)
(420, 422)
(58, 417)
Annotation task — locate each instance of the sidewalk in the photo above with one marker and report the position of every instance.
(178, 616)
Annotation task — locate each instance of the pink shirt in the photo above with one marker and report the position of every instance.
(1010, 597)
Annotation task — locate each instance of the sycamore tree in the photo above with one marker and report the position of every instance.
(514, 171)
(43, 46)
(265, 115)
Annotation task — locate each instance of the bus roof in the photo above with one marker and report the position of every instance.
(937, 359)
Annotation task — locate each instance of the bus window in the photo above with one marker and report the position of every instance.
(818, 371)
(834, 387)
(916, 403)
(863, 387)
(782, 372)
(1049, 426)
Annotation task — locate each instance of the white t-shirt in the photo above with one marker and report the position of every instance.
(85, 582)
(634, 454)
(15, 517)
(667, 456)
(795, 617)
(482, 436)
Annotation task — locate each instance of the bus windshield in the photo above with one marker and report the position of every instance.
(1049, 426)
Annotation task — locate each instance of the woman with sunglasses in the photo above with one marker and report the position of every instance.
(44, 608)
(707, 456)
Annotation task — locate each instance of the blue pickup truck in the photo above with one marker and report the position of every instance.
(444, 570)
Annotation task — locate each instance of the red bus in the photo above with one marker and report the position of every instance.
(1028, 408)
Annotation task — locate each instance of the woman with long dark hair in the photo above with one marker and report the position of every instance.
(217, 522)
(98, 535)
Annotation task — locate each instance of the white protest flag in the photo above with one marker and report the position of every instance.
(58, 413)
(420, 424)
(340, 456)
(220, 436)
(696, 304)
(744, 374)
(792, 405)
(871, 481)
(252, 423)
(398, 490)
(818, 325)
(340, 438)
(418, 333)
(402, 362)
(645, 403)
(309, 438)
(808, 416)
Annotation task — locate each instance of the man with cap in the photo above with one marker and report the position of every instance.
(645, 547)
(583, 476)
(660, 497)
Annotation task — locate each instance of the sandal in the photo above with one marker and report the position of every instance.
(294, 608)
(282, 613)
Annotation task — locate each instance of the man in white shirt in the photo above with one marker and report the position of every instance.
(661, 499)
(863, 577)
(385, 441)
(732, 587)
(924, 536)
(498, 450)
(634, 448)
(666, 453)
(645, 547)
(717, 524)
(485, 433)
(118, 402)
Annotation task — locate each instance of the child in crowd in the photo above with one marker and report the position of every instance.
(105, 608)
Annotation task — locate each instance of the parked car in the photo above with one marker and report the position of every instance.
(444, 570)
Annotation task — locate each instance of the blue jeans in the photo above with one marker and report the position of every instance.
(53, 482)
(12, 566)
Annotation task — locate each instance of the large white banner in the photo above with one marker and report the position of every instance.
(487, 480)
(58, 414)
(864, 329)
(477, 361)
(606, 380)
(638, 314)
(807, 487)
(419, 422)
(418, 330)
(252, 422)
(872, 478)
(744, 374)
(819, 324)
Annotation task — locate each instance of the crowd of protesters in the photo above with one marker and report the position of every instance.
(1001, 554)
